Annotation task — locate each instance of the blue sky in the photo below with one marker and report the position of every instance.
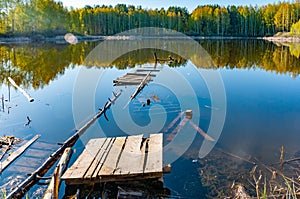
(189, 4)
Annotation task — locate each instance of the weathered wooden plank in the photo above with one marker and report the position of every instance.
(205, 135)
(133, 157)
(52, 190)
(81, 165)
(132, 78)
(127, 82)
(102, 153)
(154, 162)
(174, 121)
(17, 153)
(180, 125)
(146, 70)
(141, 74)
(109, 165)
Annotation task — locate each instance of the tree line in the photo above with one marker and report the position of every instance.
(49, 17)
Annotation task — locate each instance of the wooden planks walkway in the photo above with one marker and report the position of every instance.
(118, 159)
(136, 77)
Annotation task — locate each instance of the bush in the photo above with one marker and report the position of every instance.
(295, 30)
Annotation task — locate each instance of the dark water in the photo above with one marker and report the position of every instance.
(261, 83)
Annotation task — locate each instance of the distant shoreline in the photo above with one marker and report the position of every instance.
(61, 40)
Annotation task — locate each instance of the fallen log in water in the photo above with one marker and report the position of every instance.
(52, 190)
(197, 128)
(23, 187)
(29, 98)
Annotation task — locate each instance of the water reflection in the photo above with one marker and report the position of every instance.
(35, 65)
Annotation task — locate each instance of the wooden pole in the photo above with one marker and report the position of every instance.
(30, 99)
(23, 187)
(155, 56)
(52, 190)
(2, 102)
(56, 183)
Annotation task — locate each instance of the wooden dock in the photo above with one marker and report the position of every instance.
(118, 159)
(137, 76)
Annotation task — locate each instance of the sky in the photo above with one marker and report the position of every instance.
(189, 4)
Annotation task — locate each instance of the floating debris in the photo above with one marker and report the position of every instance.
(212, 108)
(29, 98)
(28, 121)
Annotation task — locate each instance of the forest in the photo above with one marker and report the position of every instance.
(29, 17)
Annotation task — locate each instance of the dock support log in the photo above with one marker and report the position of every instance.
(23, 187)
(52, 190)
(2, 102)
(30, 99)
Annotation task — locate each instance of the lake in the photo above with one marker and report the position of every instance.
(243, 93)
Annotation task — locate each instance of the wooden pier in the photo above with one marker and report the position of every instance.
(118, 159)
(137, 76)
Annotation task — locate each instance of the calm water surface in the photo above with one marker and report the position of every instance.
(261, 83)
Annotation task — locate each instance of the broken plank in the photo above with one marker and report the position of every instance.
(154, 162)
(133, 157)
(146, 70)
(17, 153)
(174, 121)
(101, 155)
(130, 82)
(130, 79)
(180, 125)
(110, 164)
(52, 191)
(140, 74)
(81, 165)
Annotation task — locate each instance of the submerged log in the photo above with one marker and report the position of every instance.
(206, 136)
(17, 153)
(23, 187)
(29, 98)
(174, 121)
